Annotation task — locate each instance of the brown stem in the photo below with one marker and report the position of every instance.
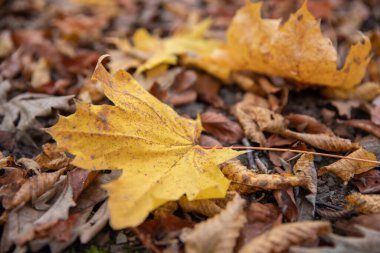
(296, 151)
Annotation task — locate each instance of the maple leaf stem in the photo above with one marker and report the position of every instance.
(295, 151)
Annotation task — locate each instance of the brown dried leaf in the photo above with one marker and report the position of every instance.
(366, 204)
(304, 168)
(165, 210)
(207, 207)
(32, 189)
(245, 180)
(365, 125)
(256, 119)
(281, 238)
(219, 233)
(261, 217)
(345, 169)
(323, 141)
(367, 182)
(222, 127)
(305, 123)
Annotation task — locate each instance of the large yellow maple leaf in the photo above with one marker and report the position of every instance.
(154, 146)
(295, 50)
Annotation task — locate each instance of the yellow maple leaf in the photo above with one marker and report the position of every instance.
(154, 146)
(165, 51)
(296, 49)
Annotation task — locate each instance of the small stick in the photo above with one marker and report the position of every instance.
(296, 151)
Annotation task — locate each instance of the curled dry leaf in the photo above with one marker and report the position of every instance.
(157, 147)
(244, 180)
(165, 210)
(273, 48)
(221, 127)
(366, 204)
(206, 207)
(281, 238)
(304, 167)
(305, 123)
(219, 233)
(32, 189)
(365, 125)
(257, 119)
(345, 169)
(251, 128)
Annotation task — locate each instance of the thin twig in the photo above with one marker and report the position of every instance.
(296, 151)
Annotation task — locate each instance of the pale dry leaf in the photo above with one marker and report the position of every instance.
(217, 234)
(365, 204)
(41, 73)
(26, 107)
(368, 242)
(32, 189)
(207, 207)
(93, 226)
(244, 180)
(346, 169)
(282, 237)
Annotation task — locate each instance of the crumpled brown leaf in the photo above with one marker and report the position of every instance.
(219, 233)
(32, 189)
(281, 238)
(244, 180)
(366, 204)
(345, 168)
(221, 127)
(258, 119)
(206, 207)
(52, 158)
(367, 182)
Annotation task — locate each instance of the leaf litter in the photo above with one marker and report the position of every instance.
(168, 178)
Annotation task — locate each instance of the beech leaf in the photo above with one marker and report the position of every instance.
(154, 146)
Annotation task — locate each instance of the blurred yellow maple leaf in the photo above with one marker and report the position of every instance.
(295, 50)
(154, 146)
(164, 51)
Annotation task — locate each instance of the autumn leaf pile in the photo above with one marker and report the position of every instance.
(176, 127)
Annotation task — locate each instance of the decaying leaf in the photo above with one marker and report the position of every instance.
(345, 168)
(281, 238)
(157, 147)
(32, 189)
(365, 92)
(368, 242)
(26, 107)
(257, 119)
(52, 158)
(304, 167)
(217, 234)
(366, 204)
(366, 125)
(206, 207)
(165, 210)
(295, 49)
(367, 182)
(221, 127)
(305, 123)
(244, 180)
